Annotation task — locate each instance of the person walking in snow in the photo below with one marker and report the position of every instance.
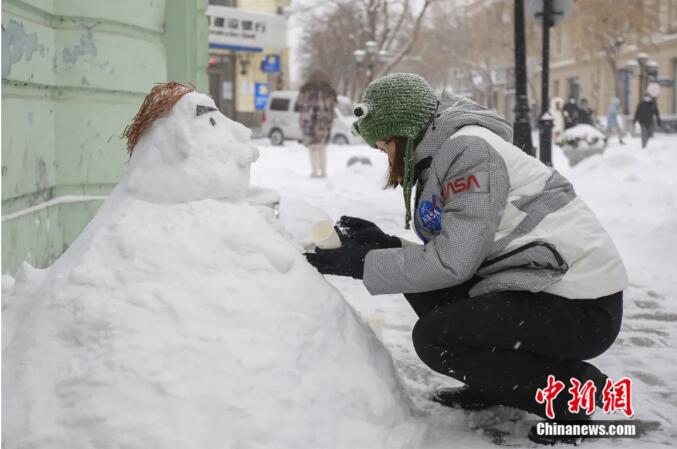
(613, 119)
(557, 117)
(316, 102)
(585, 113)
(515, 280)
(645, 113)
(571, 113)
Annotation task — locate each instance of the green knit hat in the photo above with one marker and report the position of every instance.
(397, 105)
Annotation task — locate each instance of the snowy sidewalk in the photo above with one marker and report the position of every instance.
(633, 192)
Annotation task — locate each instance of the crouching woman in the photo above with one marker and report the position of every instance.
(516, 278)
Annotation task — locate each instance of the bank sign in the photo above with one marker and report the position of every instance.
(238, 30)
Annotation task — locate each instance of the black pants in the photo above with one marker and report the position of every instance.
(506, 343)
(647, 133)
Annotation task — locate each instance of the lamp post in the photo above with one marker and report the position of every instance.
(549, 13)
(642, 59)
(651, 73)
(545, 129)
(521, 127)
(370, 57)
(631, 66)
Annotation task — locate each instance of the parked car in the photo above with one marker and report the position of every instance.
(280, 120)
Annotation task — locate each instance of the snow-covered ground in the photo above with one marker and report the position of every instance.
(633, 192)
(163, 312)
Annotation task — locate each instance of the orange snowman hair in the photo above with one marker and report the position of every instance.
(157, 104)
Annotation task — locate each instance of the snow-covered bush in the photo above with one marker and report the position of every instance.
(580, 142)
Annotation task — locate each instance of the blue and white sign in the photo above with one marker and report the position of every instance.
(271, 64)
(260, 96)
(239, 30)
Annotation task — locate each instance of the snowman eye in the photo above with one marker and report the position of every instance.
(201, 109)
(212, 121)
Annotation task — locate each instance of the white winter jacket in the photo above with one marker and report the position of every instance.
(485, 208)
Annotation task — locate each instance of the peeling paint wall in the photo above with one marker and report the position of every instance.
(16, 45)
(74, 73)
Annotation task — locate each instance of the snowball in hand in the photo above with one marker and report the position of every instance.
(181, 319)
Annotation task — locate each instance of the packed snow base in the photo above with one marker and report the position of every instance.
(181, 318)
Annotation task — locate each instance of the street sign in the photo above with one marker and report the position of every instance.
(260, 96)
(560, 10)
(271, 64)
(666, 82)
(241, 30)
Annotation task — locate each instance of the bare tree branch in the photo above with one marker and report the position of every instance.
(398, 25)
(412, 41)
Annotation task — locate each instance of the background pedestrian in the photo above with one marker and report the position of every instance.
(316, 101)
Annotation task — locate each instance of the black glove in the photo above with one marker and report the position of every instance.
(367, 233)
(348, 260)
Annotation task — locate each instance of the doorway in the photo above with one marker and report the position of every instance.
(222, 83)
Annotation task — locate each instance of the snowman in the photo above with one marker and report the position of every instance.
(180, 318)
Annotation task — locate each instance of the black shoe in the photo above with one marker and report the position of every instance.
(465, 397)
(549, 440)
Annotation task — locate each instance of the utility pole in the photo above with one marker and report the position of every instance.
(522, 127)
(545, 133)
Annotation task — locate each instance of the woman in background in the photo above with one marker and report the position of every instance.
(316, 103)
(557, 117)
(613, 123)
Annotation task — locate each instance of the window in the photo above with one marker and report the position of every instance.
(574, 87)
(280, 104)
(218, 22)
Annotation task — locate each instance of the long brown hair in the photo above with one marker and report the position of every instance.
(396, 167)
(318, 80)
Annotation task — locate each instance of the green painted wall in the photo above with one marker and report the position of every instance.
(74, 73)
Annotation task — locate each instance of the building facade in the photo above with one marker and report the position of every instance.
(593, 78)
(248, 55)
(74, 73)
(572, 73)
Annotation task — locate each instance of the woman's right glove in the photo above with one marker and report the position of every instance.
(367, 233)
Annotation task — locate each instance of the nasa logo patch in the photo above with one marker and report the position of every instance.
(430, 215)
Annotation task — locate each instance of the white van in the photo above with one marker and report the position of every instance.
(280, 120)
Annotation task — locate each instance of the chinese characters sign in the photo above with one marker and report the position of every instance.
(235, 28)
(615, 396)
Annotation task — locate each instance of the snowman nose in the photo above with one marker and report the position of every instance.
(247, 155)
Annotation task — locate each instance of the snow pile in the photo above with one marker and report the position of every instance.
(634, 193)
(580, 142)
(181, 319)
